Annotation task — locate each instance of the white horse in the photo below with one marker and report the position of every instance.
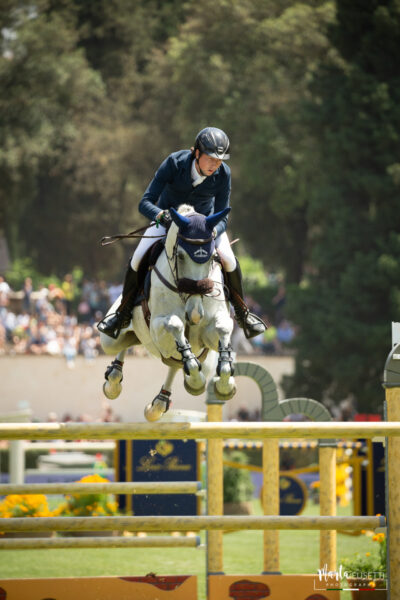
(190, 318)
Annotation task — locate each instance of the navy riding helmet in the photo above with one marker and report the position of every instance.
(214, 142)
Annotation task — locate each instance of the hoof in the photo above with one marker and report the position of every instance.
(194, 391)
(158, 406)
(155, 410)
(227, 396)
(111, 391)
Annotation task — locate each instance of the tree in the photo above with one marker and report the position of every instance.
(345, 308)
(245, 67)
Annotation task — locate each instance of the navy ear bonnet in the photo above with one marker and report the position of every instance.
(197, 227)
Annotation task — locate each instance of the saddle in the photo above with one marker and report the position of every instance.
(144, 276)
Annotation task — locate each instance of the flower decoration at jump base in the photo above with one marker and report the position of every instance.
(24, 505)
(368, 569)
(88, 505)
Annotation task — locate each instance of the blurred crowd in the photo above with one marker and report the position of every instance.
(277, 338)
(57, 320)
(60, 320)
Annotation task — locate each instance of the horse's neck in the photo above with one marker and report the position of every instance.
(171, 239)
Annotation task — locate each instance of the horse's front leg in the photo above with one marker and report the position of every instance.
(194, 380)
(112, 386)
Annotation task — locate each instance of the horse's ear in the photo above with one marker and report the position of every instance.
(213, 220)
(178, 218)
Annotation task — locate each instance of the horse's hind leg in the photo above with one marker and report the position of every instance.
(220, 333)
(161, 403)
(224, 385)
(112, 386)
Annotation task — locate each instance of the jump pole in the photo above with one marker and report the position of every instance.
(192, 431)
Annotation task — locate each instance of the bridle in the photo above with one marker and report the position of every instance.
(184, 286)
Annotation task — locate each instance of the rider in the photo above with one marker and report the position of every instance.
(197, 177)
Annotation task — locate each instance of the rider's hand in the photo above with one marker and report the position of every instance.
(215, 233)
(165, 218)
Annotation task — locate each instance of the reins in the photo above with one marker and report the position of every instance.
(110, 239)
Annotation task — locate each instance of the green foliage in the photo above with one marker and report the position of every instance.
(344, 311)
(23, 268)
(253, 272)
(238, 486)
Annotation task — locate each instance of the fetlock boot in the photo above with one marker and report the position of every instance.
(249, 322)
(112, 324)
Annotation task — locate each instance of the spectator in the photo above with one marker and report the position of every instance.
(4, 292)
(279, 302)
(26, 298)
(285, 332)
(68, 288)
(114, 292)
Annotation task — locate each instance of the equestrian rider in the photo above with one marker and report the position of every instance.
(197, 177)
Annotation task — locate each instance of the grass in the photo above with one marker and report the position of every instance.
(243, 554)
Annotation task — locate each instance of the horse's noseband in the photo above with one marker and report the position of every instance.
(194, 287)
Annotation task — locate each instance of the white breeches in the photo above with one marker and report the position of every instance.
(222, 243)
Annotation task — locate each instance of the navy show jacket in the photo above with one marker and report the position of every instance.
(172, 186)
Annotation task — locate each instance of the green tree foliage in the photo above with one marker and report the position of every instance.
(345, 311)
(74, 161)
(245, 67)
(102, 91)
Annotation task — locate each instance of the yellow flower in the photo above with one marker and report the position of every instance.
(372, 584)
(368, 554)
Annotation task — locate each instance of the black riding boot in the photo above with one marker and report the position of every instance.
(250, 323)
(112, 324)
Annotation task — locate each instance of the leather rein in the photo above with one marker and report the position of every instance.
(137, 233)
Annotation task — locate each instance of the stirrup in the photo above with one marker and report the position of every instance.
(251, 324)
(119, 320)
